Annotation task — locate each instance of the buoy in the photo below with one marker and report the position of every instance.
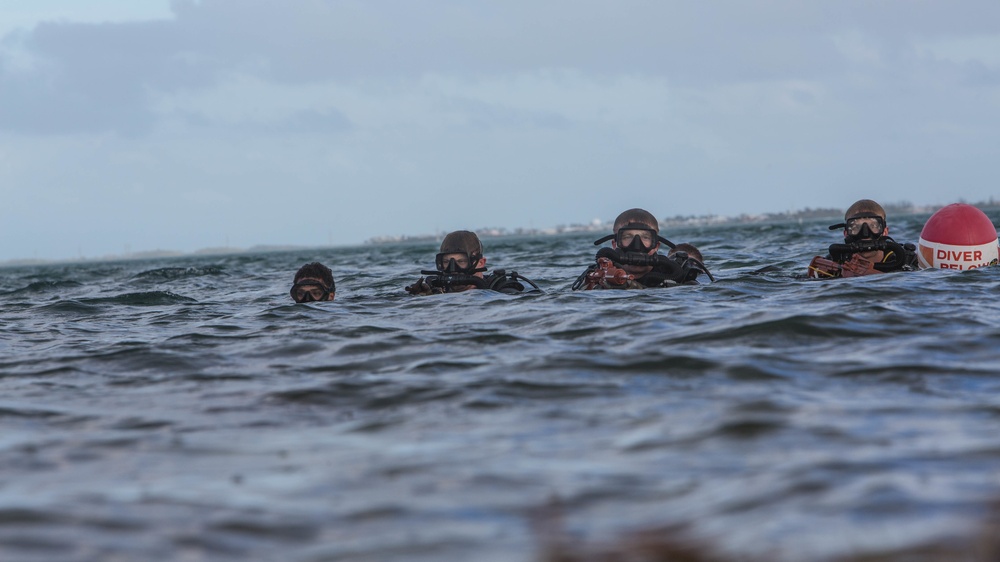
(958, 236)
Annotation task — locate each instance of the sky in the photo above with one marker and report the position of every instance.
(136, 125)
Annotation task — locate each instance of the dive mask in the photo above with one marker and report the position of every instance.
(457, 262)
(639, 240)
(865, 226)
(309, 291)
(636, 237)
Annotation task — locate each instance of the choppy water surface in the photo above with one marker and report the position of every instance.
(186, 409)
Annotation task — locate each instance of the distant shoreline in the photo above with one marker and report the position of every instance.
(677, 221)
(680, 221)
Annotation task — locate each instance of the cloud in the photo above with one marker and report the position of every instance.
(327, 121)
(306, 112)
(92, 78)
(106, 77)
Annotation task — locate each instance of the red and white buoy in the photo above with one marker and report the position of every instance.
(958, 236)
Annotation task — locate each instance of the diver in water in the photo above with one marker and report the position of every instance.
(685, 251)
(632, 261)
(867, 246)
(459, 266)
(313, 282)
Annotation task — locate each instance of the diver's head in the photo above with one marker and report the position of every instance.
(637, 230)
(864, 221)
(461, 252)
(313, 282)
(689, 249)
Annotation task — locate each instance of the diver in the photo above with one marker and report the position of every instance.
(632, 261)
(459, 266)
(313, 282)
(867, 246)
(689, 255)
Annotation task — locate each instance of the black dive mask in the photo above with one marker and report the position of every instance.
(640, 241)
(865, 226)
(635, 237)
(309, 291)
(864, 233)
(453, 263)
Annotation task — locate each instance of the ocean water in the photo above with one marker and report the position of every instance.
(186, 409)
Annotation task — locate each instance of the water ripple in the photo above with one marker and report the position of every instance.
(184, 408)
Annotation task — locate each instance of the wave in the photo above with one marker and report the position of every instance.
(766, 406)
(149, 298)
(180, 272)
(45, 287)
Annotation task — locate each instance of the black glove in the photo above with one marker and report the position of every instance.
(422, 288)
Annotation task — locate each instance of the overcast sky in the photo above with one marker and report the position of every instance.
(138, 125)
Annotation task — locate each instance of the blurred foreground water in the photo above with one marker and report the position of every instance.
(184, 408)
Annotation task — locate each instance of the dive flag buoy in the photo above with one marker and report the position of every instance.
(958, 236)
